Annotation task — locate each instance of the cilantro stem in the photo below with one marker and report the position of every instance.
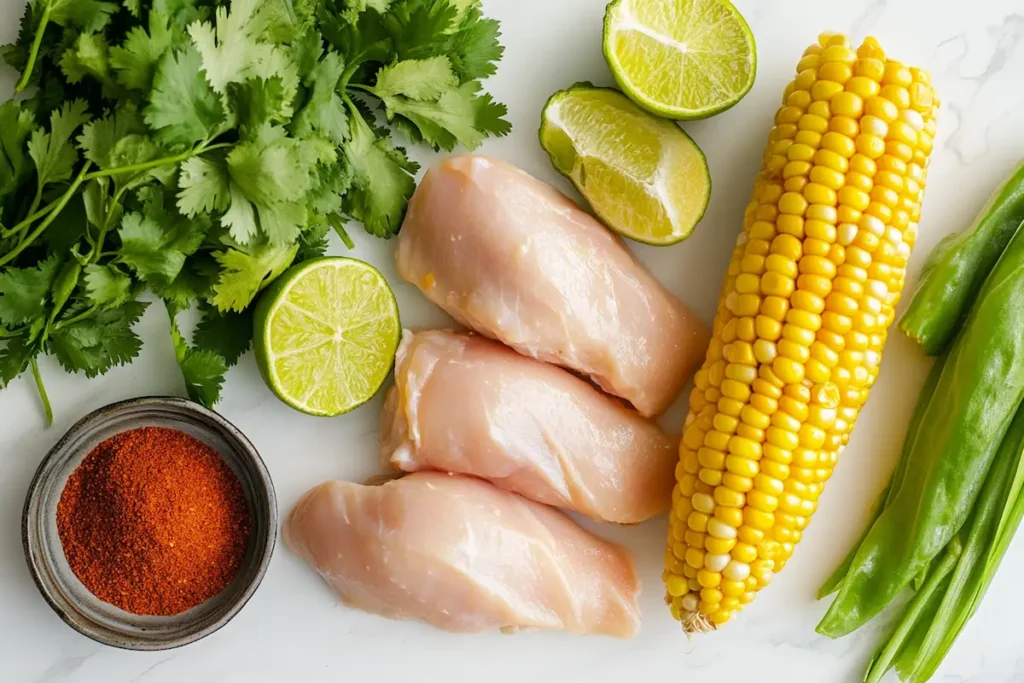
(36, 214)
(61, 203)
(155, 163)
(74, 319)
(42, 391)
(97, 246)
(35, 201)
(34, 53)
(7, 232)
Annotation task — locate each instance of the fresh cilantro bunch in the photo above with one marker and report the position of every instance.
(197, 149)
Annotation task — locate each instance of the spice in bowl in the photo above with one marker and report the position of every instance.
(153, 521)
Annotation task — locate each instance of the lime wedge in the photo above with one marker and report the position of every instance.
(642, 175)
(683, 59)
(326, 335)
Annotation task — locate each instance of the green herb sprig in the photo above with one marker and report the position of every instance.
(196, 149)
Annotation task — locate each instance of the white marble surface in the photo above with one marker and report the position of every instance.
(295, 630)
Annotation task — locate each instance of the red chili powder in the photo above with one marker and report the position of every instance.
(153, 521)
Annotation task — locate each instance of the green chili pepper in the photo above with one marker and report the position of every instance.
(958, 266)
(975, 398)
(921, 607)
(832, 584)
(956, 579)
(974, 569)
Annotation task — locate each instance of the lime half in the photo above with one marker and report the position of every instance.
(642, 175)
(326, 335)
(683, 59)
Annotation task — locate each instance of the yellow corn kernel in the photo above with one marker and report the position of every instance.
(810, 289)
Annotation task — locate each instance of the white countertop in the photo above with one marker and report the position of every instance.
(294, 629)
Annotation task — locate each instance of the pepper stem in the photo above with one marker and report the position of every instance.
(42, 391)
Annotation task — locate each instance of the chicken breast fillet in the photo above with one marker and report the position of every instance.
(516, 260)
(463, 556)
(465, 404)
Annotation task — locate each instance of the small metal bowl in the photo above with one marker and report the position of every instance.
(102, 621)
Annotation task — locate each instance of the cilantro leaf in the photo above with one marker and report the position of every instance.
(24, 291)
(306, 51)
(356, 7)
(14, 359)
(133, 6)
(271, 174)
(106, 285)
(194, 281)
(98, 342)
(135, 61)
(99, 137)
(203, 186)
(88, 15)
(52, 152)
(259, 101)
(94, 199)
(324, 111)
(475, 49)
(121, 140)
(235, 50)
(421, 28)
(240, 218)
(155, 243)
(418, 79)
(229, 334)
(382, 179)
(183, 13)
(313, 242)
(247, 270)
(203, 372)
(332, 182)
(183, 108)
(359, 36)
(457, 116)
(90, 56)
(16, 123)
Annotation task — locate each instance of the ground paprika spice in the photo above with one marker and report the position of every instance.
(153, 521)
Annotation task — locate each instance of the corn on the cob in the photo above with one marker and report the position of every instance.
(810, 291)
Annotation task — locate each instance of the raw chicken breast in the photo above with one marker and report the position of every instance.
(514, 259)
(464, 556)
(466, 404)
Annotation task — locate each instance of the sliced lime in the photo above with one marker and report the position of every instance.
(326, 335)
(684, 59)
(642, 175)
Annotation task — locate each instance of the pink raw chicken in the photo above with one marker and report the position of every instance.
(516, 260)
(466, 404)
(464, 556)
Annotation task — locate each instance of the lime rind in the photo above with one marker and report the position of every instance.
(643, 176)
(327, 333)
(695, 58)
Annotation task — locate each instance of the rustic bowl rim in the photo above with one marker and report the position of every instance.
(259, 485)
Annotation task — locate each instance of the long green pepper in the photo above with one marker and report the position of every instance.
(958, 266)
(832, 584)
(958, 579)
(975, 398)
